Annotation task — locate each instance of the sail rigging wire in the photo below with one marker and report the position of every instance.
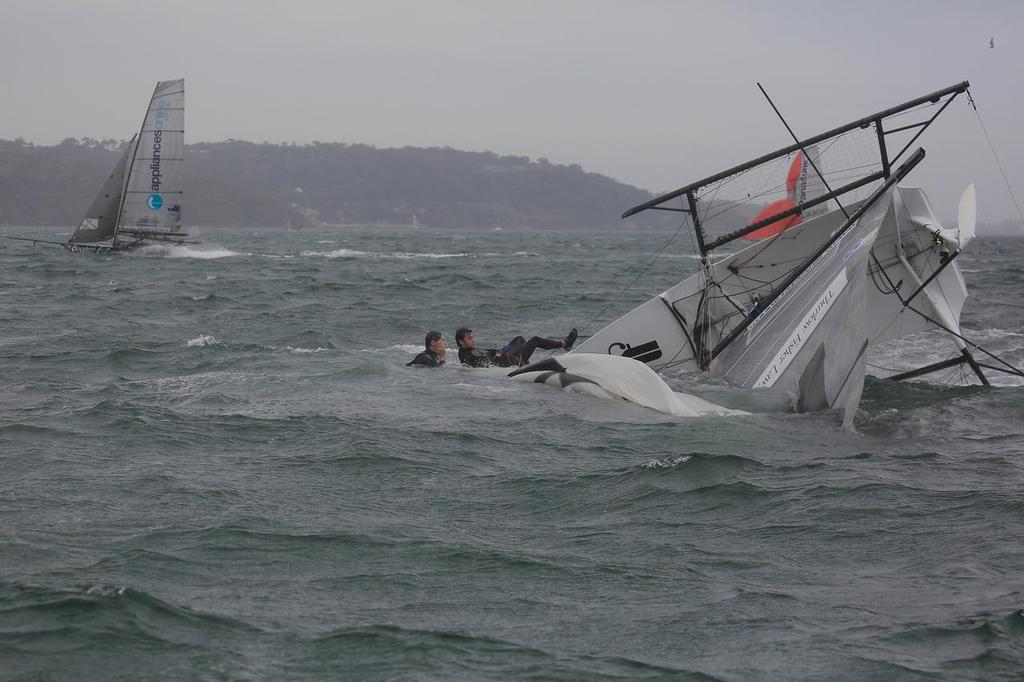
(639, 274)
(970, 343)
(992, 148)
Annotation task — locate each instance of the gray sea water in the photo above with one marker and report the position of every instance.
(217, 467)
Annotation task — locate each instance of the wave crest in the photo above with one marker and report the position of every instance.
(202, 341)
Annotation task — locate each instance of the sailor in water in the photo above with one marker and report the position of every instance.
(515, 353)
(434, 354)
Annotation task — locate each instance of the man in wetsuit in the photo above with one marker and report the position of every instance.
(434, 354)
(516, 352)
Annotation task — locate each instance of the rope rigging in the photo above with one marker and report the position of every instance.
(999, 164)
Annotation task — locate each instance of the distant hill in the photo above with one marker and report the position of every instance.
(238, 183)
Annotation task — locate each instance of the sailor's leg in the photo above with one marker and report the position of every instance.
(520, 354)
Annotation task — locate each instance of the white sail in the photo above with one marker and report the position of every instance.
(661, 332)
(612, 377)
(808, 347)
(656, 332)
(153, 192)
(100, 221)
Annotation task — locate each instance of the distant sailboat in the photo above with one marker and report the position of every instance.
(140, 201)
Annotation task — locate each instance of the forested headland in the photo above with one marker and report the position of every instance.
(237, 183)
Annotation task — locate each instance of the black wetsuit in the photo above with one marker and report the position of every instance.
(480, 358)
(427, 358)
(516, 353)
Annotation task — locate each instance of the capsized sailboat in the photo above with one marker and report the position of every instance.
(140, 201)
(794, 312)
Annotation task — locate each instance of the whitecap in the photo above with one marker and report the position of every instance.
(666, 462)
(403, 347)
(161, 251)
(339, 253)
(405, 256)
(106, 590)
(202, 341)
(398, 255)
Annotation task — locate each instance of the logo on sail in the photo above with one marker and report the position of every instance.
(155, 202)
(645, 352)
(159, 118)
(802, 332)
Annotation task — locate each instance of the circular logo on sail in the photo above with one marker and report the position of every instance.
(155, 201)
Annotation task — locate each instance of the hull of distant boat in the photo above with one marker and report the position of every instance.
(90, 248)
(119, 247)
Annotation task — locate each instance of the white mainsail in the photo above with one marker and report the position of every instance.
(152, 198)
(100, 221)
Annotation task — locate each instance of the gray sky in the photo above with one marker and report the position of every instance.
(651, 92)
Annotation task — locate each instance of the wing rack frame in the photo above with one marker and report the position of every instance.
(887, 162)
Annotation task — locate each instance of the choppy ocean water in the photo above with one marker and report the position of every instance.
(217, 467)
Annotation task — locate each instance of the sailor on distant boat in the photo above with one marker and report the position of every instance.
(434, 353)
(515, 353)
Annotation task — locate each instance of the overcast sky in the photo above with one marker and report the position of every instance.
(651, 92)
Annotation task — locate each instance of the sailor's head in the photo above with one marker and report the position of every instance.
(434, 341)
(465, 337)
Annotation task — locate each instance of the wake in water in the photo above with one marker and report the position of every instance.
(398, 255)
(406, 255)
(163, 251)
